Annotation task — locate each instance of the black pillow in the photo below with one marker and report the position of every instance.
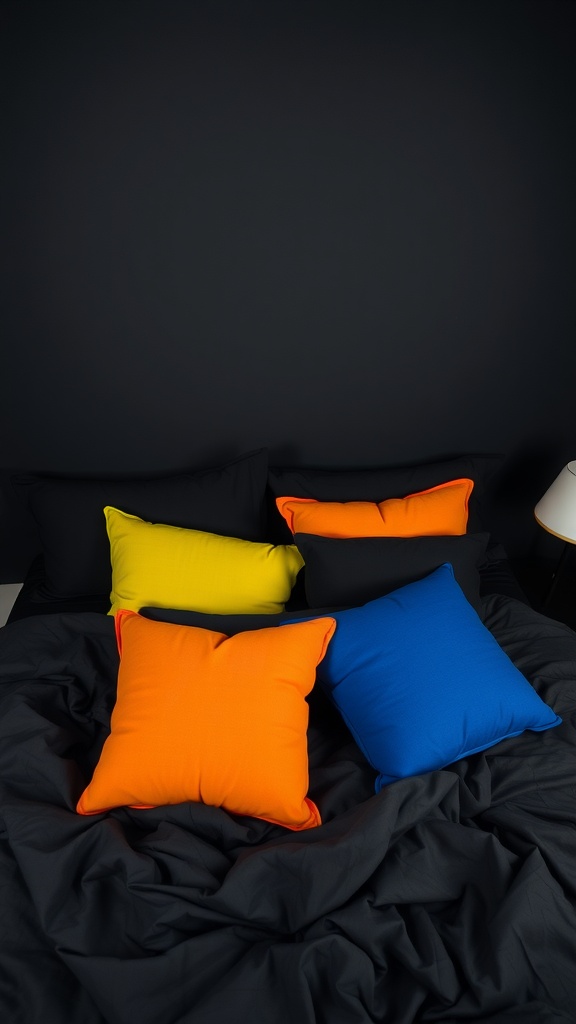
(355, 570)
(228, 624)
(228, 499)
(378, 484)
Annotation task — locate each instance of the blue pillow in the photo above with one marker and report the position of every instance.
(421, 682)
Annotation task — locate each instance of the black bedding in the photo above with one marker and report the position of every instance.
(446, 897)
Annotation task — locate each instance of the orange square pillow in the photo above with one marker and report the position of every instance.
(206, 717)
(440, 510)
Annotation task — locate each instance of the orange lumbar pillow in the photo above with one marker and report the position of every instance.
(437, 511)
(205, 717)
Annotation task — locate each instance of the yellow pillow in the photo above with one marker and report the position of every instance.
(204, 717)
(170, 567)
(440, 510)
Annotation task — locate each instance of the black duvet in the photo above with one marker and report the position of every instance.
(448, 897)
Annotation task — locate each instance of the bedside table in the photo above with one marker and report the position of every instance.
(535, 576)
(8, 594)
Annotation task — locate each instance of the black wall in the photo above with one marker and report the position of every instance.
(342, 230)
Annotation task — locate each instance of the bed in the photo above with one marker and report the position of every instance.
(284, 744)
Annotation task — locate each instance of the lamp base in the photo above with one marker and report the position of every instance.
(556, 575)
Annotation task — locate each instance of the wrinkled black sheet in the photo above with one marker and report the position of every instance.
(449, 897)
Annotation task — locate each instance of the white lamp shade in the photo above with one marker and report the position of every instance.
(556, 510)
